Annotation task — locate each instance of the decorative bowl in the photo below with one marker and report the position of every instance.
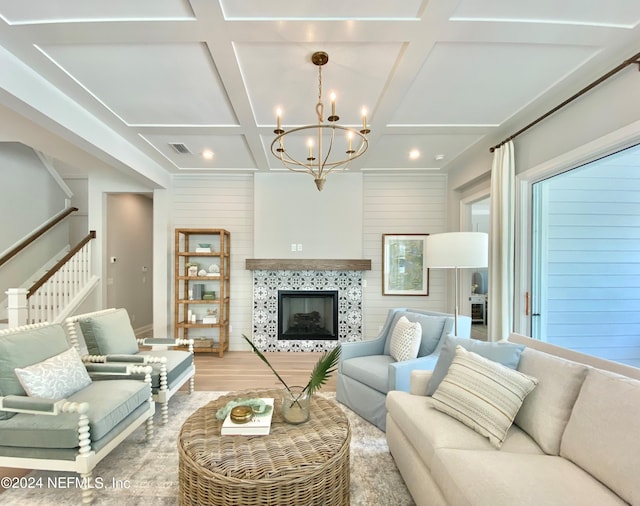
(204, 245)
(241, 414)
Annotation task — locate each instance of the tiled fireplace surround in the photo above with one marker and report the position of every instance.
(270, 276)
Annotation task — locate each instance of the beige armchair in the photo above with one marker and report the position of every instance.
(106, 336)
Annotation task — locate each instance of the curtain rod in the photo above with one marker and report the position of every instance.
(634, 59)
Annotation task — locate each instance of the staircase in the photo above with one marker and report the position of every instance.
(54, 296)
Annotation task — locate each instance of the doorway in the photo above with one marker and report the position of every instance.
(129, 258)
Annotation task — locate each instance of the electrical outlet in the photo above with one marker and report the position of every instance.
(299, 247)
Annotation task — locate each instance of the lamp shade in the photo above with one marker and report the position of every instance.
(457, 250)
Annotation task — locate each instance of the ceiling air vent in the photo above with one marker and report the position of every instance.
(180, 148)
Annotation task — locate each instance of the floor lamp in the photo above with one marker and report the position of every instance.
(457, 250)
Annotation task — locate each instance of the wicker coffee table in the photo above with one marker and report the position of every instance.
(306, 464)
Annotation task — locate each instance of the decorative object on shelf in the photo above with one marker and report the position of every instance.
(296, 401)
(322, 162)
(403, 267)
(192, 268)
(203, 248)
(202, 272)
(457, 250)
(202, 342)
(214, 269)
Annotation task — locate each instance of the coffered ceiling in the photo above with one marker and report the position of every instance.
(439, 76)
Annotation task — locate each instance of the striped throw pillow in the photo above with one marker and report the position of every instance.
(482, 394)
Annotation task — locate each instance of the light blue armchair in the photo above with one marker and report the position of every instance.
(58, 414)
(367, 371)
(106, 336)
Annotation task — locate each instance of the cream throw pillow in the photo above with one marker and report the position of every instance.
(55, 378)
(405, 339)
(482, 394)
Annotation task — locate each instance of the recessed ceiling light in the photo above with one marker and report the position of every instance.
(439, 157)
(207, 154)
(414, 154)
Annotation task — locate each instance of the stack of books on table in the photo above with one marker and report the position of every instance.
(259, 425)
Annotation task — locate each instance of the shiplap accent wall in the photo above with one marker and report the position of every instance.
(400, 204)
(591, 287)
(220, 202)
(394, 204)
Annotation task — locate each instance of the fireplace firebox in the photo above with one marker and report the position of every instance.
(307, 314)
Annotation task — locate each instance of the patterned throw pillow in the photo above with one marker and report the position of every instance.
(405, 340)
(55, 378)
(482, 394)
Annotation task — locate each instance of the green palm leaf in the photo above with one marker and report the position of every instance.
(264, 359)
(323, 369)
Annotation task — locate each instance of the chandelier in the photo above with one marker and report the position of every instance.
(324, 155)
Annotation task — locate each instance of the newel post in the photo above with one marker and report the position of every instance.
(17, 311)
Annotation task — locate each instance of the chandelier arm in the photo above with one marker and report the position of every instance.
(292, 164)
(322, 163)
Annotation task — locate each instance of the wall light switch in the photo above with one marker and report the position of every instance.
(293, 246)
(299, 247)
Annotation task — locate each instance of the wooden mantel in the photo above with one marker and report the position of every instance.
(299, 264)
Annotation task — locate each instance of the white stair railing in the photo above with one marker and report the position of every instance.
(52, 298)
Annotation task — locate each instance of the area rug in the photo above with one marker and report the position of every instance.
(137, 473)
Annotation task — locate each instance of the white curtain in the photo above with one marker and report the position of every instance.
(501, 243)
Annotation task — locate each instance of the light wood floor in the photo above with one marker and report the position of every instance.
(241, 370)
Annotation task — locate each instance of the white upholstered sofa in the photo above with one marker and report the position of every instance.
(575, 440)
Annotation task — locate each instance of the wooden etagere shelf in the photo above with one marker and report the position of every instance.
(202, 288)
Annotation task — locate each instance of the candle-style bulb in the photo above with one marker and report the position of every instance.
(278, 129)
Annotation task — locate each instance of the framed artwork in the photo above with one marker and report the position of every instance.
(403, 260)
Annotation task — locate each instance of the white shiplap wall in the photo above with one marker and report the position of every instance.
(220, 202)
(591, 280)
(400, 204)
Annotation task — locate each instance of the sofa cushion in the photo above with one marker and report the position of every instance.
(482, 394)
(428, 429)
(545, 412)
(110, 402)
(433, 328)
(602, 433)
(505, 353)
(54, 378)
(372, 370)
(109, 333)
(23, 348)
(178, 362)
(405, 340)
(499, 478)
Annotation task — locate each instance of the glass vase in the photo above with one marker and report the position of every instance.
(296, 404)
